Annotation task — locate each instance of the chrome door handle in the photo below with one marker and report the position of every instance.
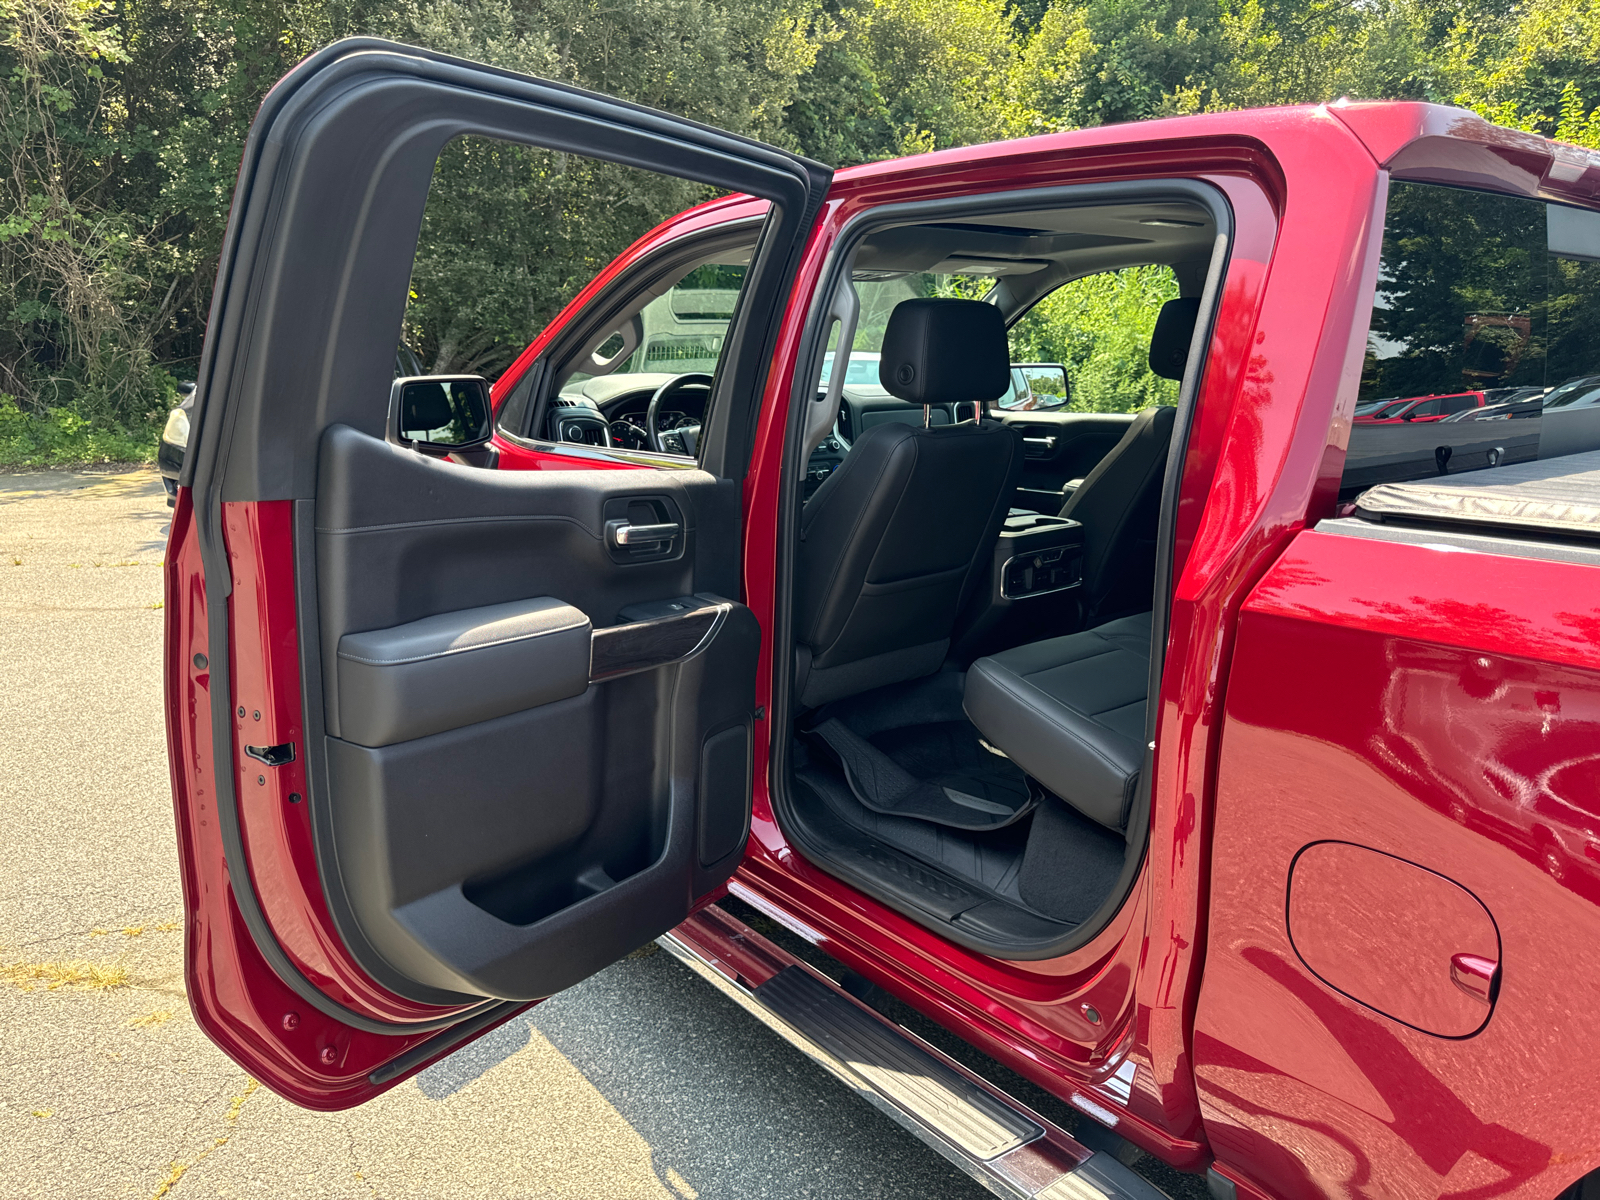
(625, 533)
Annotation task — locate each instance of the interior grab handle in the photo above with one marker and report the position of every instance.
(625, 533)
(823, 408)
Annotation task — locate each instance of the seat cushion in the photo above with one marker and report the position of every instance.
(1070, 712)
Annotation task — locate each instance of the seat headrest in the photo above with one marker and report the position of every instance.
(426, 407)
(945, 352)
(1169, 343)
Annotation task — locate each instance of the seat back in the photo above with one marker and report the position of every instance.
(896, 539)
(1119, 502)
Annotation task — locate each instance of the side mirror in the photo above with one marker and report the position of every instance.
(1036, 387)
(440, 414)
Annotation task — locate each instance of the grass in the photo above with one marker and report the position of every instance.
(78, 974)
(181, 1167)
(61, 438)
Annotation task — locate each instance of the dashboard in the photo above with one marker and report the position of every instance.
(610, 414)
(625, 416)
(618, 421)
(859, 410)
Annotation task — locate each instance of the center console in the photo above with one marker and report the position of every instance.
(1036, 570)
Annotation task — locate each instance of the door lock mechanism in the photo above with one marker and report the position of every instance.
(273, 756)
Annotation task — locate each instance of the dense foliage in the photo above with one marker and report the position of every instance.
(122, 122)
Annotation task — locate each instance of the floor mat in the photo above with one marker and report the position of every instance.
(992, 861)
(938, 773)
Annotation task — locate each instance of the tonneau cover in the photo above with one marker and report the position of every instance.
(1558, 496)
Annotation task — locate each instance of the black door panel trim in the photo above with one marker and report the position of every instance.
(306, 312)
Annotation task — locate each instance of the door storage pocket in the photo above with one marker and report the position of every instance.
(459, 668)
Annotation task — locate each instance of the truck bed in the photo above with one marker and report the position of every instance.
(1547, 509)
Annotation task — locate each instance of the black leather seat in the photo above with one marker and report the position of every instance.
(1070, 712)
(1119, 502)
(897, 538)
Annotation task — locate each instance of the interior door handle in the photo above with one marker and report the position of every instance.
(1044, 443)
(625, 533)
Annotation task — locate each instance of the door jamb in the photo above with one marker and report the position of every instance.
(813, 341)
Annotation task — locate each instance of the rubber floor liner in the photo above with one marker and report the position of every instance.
(896, 1068)
(959, 799)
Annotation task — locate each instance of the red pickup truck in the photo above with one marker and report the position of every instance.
(1229, 776)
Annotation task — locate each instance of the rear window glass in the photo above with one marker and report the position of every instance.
(1485, 307)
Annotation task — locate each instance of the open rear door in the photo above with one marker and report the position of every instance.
(444, 740)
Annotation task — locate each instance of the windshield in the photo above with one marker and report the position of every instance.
(680, 331)
(863, 368)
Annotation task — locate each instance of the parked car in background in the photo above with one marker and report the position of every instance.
(1423, 408)
(174, 441)
(1223, 769)
(1582, 392)
(1439, 408)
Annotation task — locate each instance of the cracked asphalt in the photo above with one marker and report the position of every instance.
(640, 1082)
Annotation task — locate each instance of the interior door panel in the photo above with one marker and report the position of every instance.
(524, 738)
(1060, 446)
(475, 855)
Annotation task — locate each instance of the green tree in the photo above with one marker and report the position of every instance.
(1099, 327)
(1536, 68)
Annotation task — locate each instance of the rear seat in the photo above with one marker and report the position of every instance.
(1070, 712)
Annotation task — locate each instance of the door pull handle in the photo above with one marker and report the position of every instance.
(621, 533)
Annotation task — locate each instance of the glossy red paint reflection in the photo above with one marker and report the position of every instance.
(1442, 707)
(1396, 937)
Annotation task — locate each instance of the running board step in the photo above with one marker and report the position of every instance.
(994, 1138)
(886, 1061)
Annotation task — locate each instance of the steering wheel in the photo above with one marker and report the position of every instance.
(683, 438)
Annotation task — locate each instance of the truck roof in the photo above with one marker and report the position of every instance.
(1433, 143)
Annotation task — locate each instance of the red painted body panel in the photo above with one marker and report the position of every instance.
(1351, 702)
(1389, 934)
(1434, 144)
(1442, 707)
(235, 996)
(1143, 968)
(276, 820)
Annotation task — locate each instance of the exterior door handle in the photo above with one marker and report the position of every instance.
(624, 533)
(1475, 975)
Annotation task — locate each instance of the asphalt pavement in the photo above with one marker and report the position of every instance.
(640, 1082)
